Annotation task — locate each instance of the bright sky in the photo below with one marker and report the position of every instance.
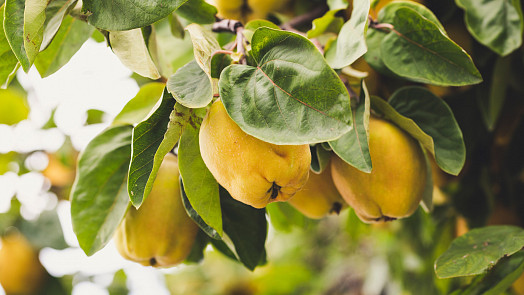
(93, 79)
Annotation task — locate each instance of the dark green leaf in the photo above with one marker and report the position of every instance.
(122, 15)
(492, 101)
(351, 42)
(200, 185)
(152, 140)
(8, 63)
(140, 106)
(327, 23)
(208, 230)
(67, 41)
(197, 252)
(190, 86)
(478, 250)
(198, 11)
(353, 147)
(418, 50)
(291, 97)
(99, 198)
(246, 227)
(45, 231)
(218, 63)
(497, 24)
(14, 30)
(499, 278)
(436, 119)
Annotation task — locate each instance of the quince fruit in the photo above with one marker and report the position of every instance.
(20, 268)
(159, 233)
(319, 197)
(395, 186)
(253, 171)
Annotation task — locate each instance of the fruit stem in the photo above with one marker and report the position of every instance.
(275, 189)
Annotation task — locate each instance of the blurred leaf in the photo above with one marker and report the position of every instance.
(327, 23)
(353, 147)
(119, 15)
(141, 105)
(351, 42)
(6, 159)
(67, 41)
(478, 250)
(190, 86)
(119, 284)
(491, 101)
(95, 116)
(131, 49)
(13, 107)
(99, 198)
(177, 29)
(246, 227)
(337, 4)
(198, 11)
(152, 140)
(223, 248)
(284, 217)
(291, 96)
(499, 278)
(8, 63)
(418, 50)
(52, 285)
(199, 184)
(427, 194)
(45, 231)
(197, 252)
(208, 230)
(204, 46)
(498, 24)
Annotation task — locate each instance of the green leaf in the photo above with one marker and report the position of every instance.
(418, 50)
(478, 250)
(190, 86)
(177, 29)
(427, 194)
(353, 147)
(218, 63)
(252, 26)
(351, 42)
(208, 230)
(8, 61)
(13, 107)
(34, 20)
(320, 158)
(284, 217)
(99, 198)
(291, 96)
(198, 11)
(140, 106)
(499, 278)
(497, 24)
(55, 12)
(132, 51)
(45, 231)
(327, 23)
(491, 101)
(199, 246)
(14, 30)
(246, 227)
(152, 140)
(200, 185)
(223, 248)
(95, 116)
(204, 46)
(435, 118)
(73, 33)
(119, 15)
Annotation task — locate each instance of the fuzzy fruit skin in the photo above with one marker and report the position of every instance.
(20, 268)
(159, 233)
(253, 171)
(396, 183)
(319, 197)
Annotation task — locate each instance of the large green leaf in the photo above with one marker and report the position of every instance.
(119, 15)
(246, 227)
(140, 106)
(418, 50)
(497, 24)
(199, 184)
(131, 49)
(351, 42)
(99, 198)
(34, 20)
(152, 140)
(478, 250)
(55, 12)
(198, 11)
(291, 96)
(204, 46)
(191, 86)
(436, 119)
(499, 278)
(13, 107)
(67, 41)
(353, 147)
(8, 61)
(14, 30)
